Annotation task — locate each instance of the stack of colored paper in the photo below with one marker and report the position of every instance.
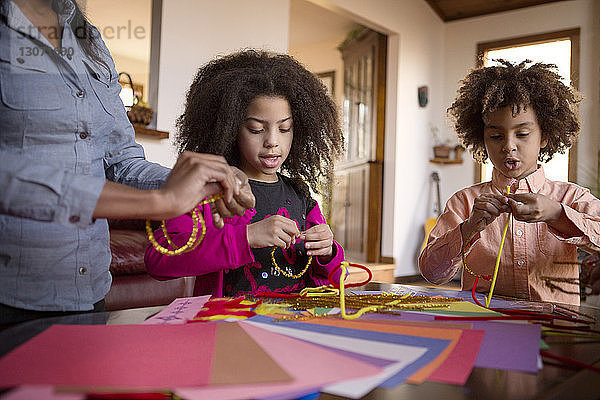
(264, 358)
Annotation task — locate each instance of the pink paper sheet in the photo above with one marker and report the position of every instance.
(311, 366)
(113, 356)
(179, 311)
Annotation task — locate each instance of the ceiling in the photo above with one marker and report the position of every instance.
(451, 10)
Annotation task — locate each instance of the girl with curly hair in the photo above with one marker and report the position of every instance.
(269, 116)
(517, 115)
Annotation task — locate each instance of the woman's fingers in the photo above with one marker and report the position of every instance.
(217, 218)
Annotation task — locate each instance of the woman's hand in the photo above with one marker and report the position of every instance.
(318, 241)
(194, 177)
(486, 209)
(275, 230)
(238, 205)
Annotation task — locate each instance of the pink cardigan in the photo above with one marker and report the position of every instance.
(221, 249)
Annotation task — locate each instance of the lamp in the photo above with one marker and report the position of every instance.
(126, 94)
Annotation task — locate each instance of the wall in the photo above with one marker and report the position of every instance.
(125, 28)
(461, 45)
(323, 57)
(415, 58)
(194, 32)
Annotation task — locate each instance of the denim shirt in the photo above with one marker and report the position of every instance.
(63, 133)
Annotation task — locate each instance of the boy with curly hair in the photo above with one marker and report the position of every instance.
(515, 114)
(272, 118)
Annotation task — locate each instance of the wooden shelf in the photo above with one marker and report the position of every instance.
(445, 160)
(142, 130)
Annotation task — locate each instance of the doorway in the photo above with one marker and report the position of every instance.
(358, 183)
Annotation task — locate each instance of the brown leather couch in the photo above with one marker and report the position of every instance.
(132, 286)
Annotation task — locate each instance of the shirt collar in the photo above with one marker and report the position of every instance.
(16, 20)
(532, 183)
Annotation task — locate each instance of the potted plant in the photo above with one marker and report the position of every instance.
(441, 148)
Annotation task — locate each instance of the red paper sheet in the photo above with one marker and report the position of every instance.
(105, 356)
(459, 364)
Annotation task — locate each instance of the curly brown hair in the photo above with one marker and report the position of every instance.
(219, 96)
(487, 89)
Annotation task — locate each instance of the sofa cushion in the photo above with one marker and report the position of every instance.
(128, 248)
(132, 291)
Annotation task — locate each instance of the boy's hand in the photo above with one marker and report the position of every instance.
(486, 209)
(533, 207)
(318, 241)
(276, 230)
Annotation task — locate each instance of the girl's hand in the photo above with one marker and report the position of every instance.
(486, 209)
(276, 230)
(318, 240)
(533, 207)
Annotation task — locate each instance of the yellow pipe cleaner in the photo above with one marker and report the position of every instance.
(488, 299)
(344, 267)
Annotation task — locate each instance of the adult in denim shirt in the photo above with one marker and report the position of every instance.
(68, 156)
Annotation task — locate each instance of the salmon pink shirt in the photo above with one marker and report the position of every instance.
(531, 250)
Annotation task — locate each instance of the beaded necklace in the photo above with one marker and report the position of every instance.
(193, 241)
(293, 276)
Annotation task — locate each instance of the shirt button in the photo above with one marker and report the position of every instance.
(80, 94)
(265, 275)
(520, 263)
(519, 232)
(20, 60)
(82, 270)
(83, 135)
(74, 219)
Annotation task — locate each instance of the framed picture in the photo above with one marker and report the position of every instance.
(328, 79)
